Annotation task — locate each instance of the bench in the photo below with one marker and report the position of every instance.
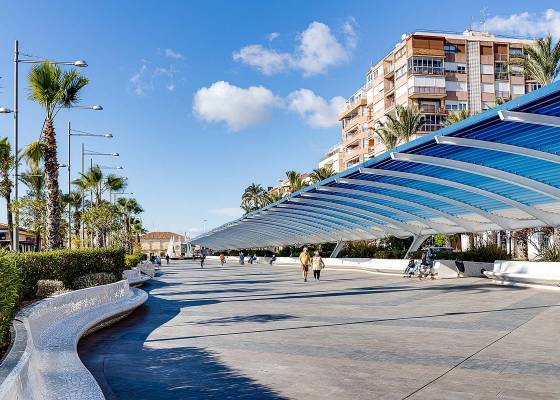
(135, 277)
(47, 367)
(526, 273)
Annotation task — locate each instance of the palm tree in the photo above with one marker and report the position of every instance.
(322, 173)
(129, 208)
(541, 61)
(253, 198)
(295, 181)
(34, 179)
(456, 116)
(6, 164)
(75, 199)
(53, 89)
(400, 126)
(273, 197)
(95, 181)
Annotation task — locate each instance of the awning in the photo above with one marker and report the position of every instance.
(498, 170)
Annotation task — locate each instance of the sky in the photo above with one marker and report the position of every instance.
(205, 97)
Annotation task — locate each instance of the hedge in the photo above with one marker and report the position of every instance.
(66, 266)
(10, 286)
(132, 260)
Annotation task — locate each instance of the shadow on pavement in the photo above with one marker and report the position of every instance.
(126, 369)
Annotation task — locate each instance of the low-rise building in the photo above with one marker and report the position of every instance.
(26, 239)
(157, 243)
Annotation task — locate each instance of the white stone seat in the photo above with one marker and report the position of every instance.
(135, 277)
(50, 367)
(525, 273)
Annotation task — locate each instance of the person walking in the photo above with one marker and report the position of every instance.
(167, 259)
(272, 259)
(202, 258)
(318, 265)
(241, 258)
(304, 261)
(222, 259)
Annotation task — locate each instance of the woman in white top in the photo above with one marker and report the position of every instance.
(318, 265)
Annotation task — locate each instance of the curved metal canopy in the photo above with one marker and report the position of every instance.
(496, 170)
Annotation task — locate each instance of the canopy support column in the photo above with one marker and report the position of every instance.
(337, 249)
(416, 243)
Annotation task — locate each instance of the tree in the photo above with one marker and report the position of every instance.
(273, 197)
(35, 206)
(129, 209)
(31, 212)
(399, 126)
(102, 218)
(295, 181)
(456, 116)
(6, 164)
(388, 136)
(253, 198)
(541, 61)
(74, 199)
(98, 183)
(53, 89)
(322, 173)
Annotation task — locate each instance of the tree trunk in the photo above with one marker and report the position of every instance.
(98, 239)
(37, 244)
(53, 238)
(9, 216)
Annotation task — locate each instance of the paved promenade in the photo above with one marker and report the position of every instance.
(259, 332)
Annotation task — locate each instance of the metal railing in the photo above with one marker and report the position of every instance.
(426, 90)
(498, 57)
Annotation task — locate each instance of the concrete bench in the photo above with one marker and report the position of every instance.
(526, 273)
(134, 277)
(43, 363)
(147, 268)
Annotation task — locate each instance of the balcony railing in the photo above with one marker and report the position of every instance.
(501, 75)
(426, 90)
(498, 57)
(503, 95)
(389, 69)
(431, 109)
(430, 128)
(426, 71)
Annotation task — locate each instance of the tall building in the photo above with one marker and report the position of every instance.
(437, 73)
(332, 158)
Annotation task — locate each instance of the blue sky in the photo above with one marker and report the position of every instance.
(204, 98)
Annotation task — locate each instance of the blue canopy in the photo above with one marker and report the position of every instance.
(497, 170)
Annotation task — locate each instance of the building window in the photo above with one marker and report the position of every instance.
(432, 122)
(426, 65)
(400, 72)
(515, 52)
(376, 73)
(450, 49)
(452, 105)
(400, 53)
(461, 69)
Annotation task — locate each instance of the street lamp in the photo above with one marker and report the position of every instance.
(17, 61)
(92, 153)
(76, 132)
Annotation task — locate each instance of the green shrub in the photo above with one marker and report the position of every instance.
(10, 287)
(91, 280)
(132, 260)
(488, 253)
(48, 287)
(66, 266)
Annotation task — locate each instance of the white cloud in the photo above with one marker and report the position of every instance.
(526, 24)
(315, 110)
(239, 108)
(148, 78)
(173, 54)
(265, 60)
(139, 83)
(317, 49)
(272, 36)
(230, 212)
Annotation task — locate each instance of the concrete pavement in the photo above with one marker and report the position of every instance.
(260, 332)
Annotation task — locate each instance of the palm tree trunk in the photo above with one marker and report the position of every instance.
(53, 238)
(9, 216)
(37, 244)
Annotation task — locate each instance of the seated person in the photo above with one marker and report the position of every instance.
(409, 270)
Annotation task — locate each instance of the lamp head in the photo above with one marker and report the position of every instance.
(4, 110)
(108, 135)
(97, 107)
(80, 64)
(115, 154)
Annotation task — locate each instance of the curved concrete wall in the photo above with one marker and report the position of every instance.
(48, 367)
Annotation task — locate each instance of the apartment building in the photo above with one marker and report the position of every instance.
(436, 72)
(332, 158)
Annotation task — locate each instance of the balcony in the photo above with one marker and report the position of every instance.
(503, 95)
(431, 109)
(426, 91)
(389, 70)
(352, 162)
(351, 124)
(498, 57)
(501, 75)
(351, 106)
(429, 128)
(426, 71)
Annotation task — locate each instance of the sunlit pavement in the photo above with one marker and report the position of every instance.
(260, 332)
